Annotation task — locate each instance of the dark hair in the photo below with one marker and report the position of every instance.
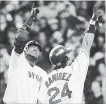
(62, 64)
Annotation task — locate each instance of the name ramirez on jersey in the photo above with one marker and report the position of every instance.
(56, 77)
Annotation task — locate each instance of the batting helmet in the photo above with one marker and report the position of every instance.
(35, 43)
(58, 55)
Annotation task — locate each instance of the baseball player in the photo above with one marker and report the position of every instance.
(25, 78)
(66, 82)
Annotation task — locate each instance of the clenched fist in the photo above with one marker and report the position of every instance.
(34, 12)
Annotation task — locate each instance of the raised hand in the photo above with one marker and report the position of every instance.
(34, 11)
(96, 13)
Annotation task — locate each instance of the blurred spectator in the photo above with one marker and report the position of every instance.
(99, 47)
(56, 39)
(4, 60)
(97, 94)
(45, 27)
(18, 20)
(49, 11)
(64, 29)
(73, 41)
(4, 64)
(9, 37)
(82, 10)
(70, 7)
(42, 38)
(101, 68)
(53, 23)
(3, 22)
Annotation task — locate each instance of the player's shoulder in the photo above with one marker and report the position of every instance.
(15, 54)
(39, 69)
(68, 68)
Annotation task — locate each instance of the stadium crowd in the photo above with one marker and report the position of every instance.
(59, 22)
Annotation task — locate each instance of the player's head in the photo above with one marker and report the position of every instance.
(58, 56)
(33, 50)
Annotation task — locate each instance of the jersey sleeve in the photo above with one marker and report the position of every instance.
(13, 62)
(21, 39)
(14, 58)
(81, 63)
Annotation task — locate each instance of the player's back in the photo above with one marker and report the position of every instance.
(65, 85)
(60, 87)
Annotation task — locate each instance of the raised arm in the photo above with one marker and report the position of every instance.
(89, 36)
(23, 33)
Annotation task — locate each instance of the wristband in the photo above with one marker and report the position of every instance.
(92, 22)
(91, 29)
(26, 27)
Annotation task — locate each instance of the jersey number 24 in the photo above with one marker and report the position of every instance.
(65, 92)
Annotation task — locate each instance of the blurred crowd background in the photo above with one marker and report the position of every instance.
(59, 22)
